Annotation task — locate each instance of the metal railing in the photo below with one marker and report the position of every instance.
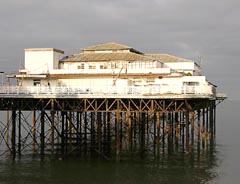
(119, 90)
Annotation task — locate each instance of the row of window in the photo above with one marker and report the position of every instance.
(82, 66)
(118, 65)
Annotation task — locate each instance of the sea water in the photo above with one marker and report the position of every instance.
(218, 163)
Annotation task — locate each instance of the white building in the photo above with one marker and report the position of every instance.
(180, 65)
(112, 68)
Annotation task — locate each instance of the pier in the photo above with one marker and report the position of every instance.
(42, 122)
(109, 100)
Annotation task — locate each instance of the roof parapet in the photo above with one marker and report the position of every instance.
(43, 49)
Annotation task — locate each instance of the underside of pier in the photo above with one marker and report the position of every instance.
(105, 127)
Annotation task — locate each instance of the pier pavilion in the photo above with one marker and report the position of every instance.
(108, 99)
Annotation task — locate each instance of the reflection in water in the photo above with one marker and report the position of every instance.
(197, 166)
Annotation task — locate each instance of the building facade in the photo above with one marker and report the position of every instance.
(112, 68)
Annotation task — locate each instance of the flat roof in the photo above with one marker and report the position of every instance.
(43, 49)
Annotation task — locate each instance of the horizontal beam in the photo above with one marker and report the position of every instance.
(104, 104)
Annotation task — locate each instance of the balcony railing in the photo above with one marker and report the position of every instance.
(208, 90)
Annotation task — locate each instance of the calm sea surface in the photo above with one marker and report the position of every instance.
(219, 163)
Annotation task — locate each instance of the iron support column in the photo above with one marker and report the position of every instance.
(13, 133)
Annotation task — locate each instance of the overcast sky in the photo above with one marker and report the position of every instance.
(185, 28)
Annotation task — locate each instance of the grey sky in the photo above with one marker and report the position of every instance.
(185, 28)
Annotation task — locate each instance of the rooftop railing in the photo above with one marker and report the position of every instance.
(208, 90)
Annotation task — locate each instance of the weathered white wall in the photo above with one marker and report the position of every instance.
(200, 79)
(41, 60)
(181, 85)
(86, 83)
(28, 82)
(56, 57)
(181, 66)
(181, 80)
(176, 84)
(43, 82)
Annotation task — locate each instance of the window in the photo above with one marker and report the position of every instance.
(104, 66)
(36, 82)
(191, 83)
(92, 66)
(113, 65)
(81, 66)
(149, 65)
